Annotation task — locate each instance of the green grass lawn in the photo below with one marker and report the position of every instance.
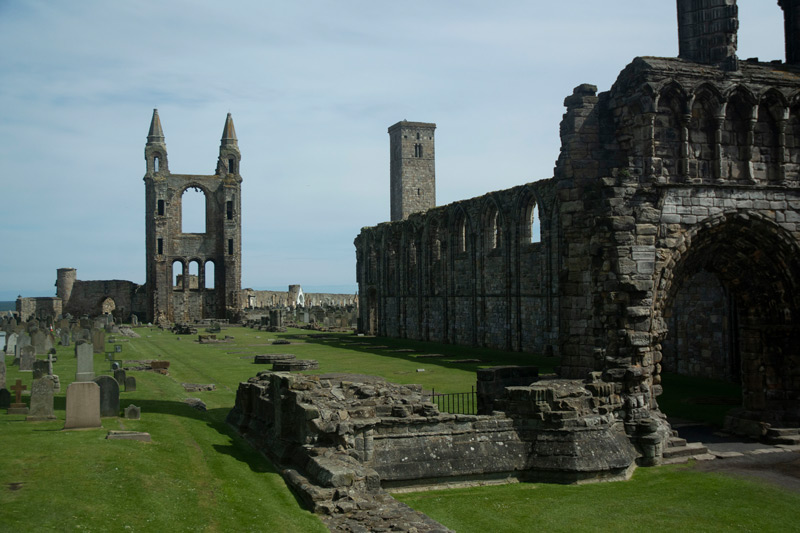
(197, 475)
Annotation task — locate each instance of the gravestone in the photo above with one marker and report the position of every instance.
(99, 340)
(64, 336)
(130, 384)
(26, 358)
(134, 321)
(119, 375)
(11, 343)
(56, 381)
(85, 355)
(40, 369)
(2, 371)
(133, 412)
(83, 405)
(23, 339)
(18, 407)
(38, 341)
(109, 395)
(42, 399)
(5, 398)
(117, 348)
(3, 341)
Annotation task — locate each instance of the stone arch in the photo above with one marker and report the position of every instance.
(434, 244)
(178, 275)
(768, 140)
(460, 230)
(529, 218)
(108, 306)
(493, 226)
(192, 211)
(757, 265)
(195, 274)
(669, 128)
(736, 135)
(703, 145)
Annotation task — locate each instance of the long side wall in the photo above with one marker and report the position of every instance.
(476, 272)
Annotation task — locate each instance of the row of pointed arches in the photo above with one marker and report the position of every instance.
(712, 133)
(192, 275)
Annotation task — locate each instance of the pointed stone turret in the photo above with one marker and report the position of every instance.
(229, 156)
(155, 151)
(156, 134)
(229, 133)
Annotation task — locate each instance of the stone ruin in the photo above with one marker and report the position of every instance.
(342, 440)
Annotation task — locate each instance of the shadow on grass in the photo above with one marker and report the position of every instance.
(487, 356)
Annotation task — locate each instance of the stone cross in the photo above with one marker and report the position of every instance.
(18, 388)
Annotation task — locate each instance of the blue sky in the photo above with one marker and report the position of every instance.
(312, 87)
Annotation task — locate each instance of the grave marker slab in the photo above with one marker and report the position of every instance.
(64, 337)
(133, 412)
(119, 375)
(2, 371)
(5, 398)
(40, 369)
(109, 395)
(85, 355)
(11, 343)
(42, 399)
(26, 358)
(130, 384)
(99, 340)
(83, 405)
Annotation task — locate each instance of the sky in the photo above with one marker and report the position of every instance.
(312, 87)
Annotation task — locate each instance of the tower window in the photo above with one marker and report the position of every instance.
(161, 208)
(230, 246)
(417, 135)
(156, 163)
(231, 165)
(160, 246)
(417, 150)
(229, 209)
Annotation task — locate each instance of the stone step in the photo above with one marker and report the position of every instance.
(675, 442)
(790, 436)
(782, 432)
(688, 451)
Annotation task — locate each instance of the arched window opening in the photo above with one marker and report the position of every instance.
(533, 224)
(210, 277)
(193, 211)
(668, 129)
(177, 275)
(108, 306)
(494, 235)
(231, 165)
(194, 275)
(156, 163)
(461, 233)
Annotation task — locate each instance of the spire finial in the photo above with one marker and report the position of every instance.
(156, 134)
(229, 133)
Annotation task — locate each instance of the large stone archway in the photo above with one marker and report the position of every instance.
(749, 269)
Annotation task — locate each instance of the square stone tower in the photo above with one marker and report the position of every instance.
(413, 168)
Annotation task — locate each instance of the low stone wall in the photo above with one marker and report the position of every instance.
(335, 435)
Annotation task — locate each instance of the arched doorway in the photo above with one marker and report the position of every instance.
(108, 306)
(730, 304)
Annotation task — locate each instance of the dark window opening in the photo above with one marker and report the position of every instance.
(230, 246)
(229, 209)
(161, 208)
(160, 246)
(231, 165)
(417, 150)
(417, 136)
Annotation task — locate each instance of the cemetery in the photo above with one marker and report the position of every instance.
(159, 463)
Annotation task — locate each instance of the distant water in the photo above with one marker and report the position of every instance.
(8, 306)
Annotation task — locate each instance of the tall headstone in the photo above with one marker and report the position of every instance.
(134, 321)
(109, 395)
(38, 337)
(99, 340)
(83, 405)
(42, 399)
(119, 375)
(2, 371)
(5, 398)
(3, 336)
(85, 355)
(26, 358)
(11, 343)
(130, 384)
(23, 339)
(56, 380)
(64, 336)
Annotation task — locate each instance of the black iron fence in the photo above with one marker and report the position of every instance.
(457, 403)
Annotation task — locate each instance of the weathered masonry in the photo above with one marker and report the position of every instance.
(668, 237)
(191, 276)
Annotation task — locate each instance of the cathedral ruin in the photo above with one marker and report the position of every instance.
(667, 238)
